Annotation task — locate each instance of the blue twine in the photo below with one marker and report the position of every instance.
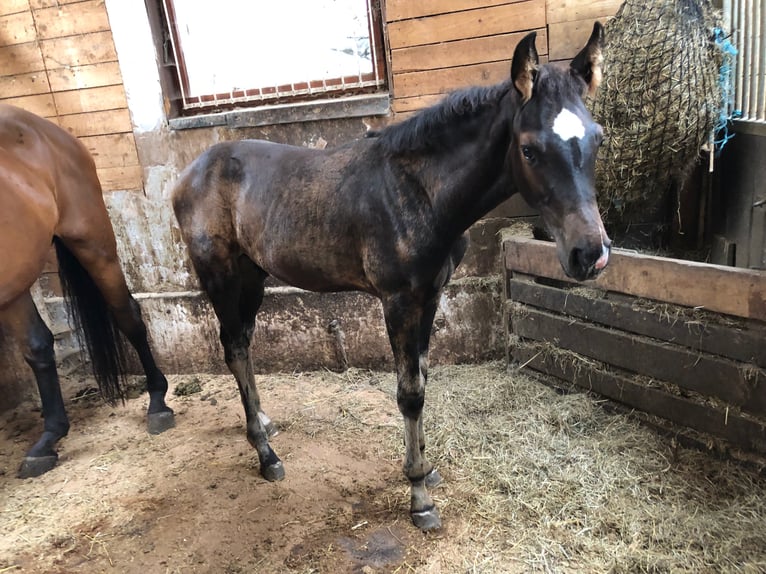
(726, 81)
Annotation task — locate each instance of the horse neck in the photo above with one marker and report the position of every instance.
(473, 175)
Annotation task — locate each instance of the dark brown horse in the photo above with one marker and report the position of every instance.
(387, 215)
(51, 193)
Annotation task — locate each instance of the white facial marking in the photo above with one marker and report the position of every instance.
(567, 125)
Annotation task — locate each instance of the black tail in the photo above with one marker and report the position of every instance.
(93, 320)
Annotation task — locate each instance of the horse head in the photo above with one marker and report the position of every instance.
(553, 151)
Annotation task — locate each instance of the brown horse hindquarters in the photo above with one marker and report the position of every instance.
(52, 193)
(286, 208)
(27, 220)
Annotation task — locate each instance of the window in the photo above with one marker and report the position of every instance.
(261, 52)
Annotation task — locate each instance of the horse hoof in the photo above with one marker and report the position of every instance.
(273, 472)
(427, 520)
(157, 423)
(433, 479)
(35, 466)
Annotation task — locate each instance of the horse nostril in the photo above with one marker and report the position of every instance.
(582, 262)
(576, 263)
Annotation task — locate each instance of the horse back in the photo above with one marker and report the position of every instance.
(294, 211)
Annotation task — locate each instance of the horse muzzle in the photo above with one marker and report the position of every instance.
(587, 262)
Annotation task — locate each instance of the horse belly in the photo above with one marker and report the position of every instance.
(317, 269)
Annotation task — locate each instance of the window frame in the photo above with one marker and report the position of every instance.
(304, 106)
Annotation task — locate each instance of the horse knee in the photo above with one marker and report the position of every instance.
(39, 353)
(411, 403)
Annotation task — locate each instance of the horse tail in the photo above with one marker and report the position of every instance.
(92, 318)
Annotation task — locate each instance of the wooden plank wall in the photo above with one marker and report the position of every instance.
(58, 60)
(570, 23)
(675, 339)
(437, 46)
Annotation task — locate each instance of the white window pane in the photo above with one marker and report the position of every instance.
(245, 44)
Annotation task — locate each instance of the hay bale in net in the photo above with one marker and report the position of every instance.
(659, 104)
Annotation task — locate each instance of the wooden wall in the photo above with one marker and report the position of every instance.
(679, 341)
(437, 46)
(570, 23)
(58, 60)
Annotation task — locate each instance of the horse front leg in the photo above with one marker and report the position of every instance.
(404, 319)
(36, 340)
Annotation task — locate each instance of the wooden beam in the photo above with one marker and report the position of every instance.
(79, 50)
(568, 38)
(729, 290)
(17, 29)
(569, 10)
(735, 340)
(21, 59)
(13, 6)
(116, 150)
(82, 77)
(119, 178)
(448, 79)
(741, 431)
(30, 84)
(97, 123)
(471, 24)
(462, 52)
(700, 373)
(91, 99)
(40, 104)
(405, 9)
(71, 20)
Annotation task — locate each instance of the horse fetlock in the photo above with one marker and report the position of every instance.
(433, 479)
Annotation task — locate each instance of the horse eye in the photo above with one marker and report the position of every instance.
(528, 154)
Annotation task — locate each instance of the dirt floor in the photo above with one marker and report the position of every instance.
(535, 481)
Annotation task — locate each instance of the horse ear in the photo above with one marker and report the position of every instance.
(524, 66)
(588, 62)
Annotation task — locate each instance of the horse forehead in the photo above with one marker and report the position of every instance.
(568, 124)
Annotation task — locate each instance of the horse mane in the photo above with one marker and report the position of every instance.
(427, 129)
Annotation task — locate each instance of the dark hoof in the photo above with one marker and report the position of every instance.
(157, 423)
(433, 479)
(273, 472)
(35, 466)
(427, 519)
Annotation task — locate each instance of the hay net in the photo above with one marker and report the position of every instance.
(658, 105)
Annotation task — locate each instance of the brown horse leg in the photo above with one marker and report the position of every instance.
(100, 261)
(37, 347)
(235, 289)
(404, 317)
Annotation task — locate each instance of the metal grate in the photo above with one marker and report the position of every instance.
(747, 21)
(361, 82)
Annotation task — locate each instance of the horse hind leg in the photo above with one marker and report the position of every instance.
(235, 288)
(36, 339)
(96, 261)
